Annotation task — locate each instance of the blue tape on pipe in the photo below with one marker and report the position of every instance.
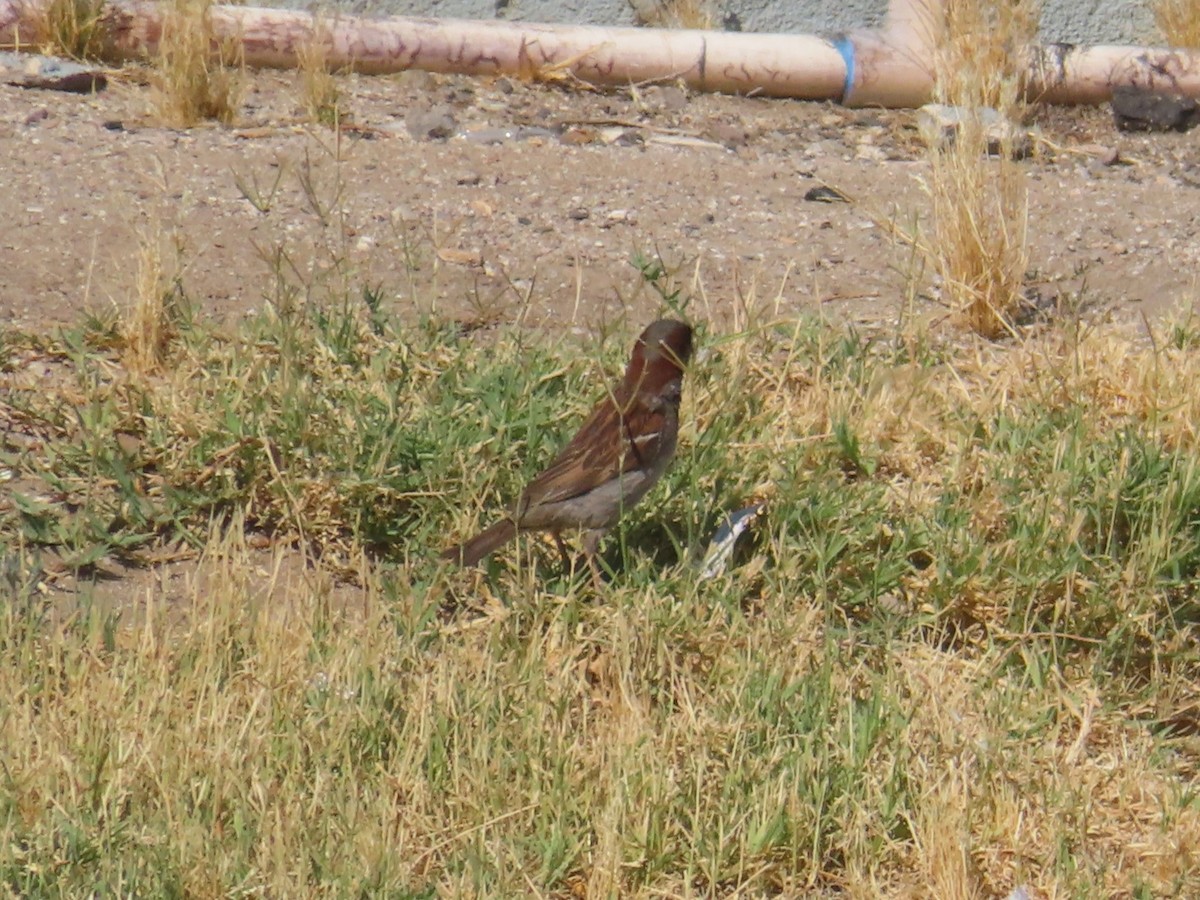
(845, 47)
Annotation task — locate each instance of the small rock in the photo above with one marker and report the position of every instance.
(392, 127)
(38, 115)
(460, 257)
(49, 73)
(728, 133)
(417, 80)
(489, 136)
(1100, 158)
(129, 444)
(621, 136)
(436, 124)
(667, 98)
(826, 147)
(685, 140)
(870, 152)
(824, 194)
(504, 135)
(577, 136)
(939, 125)
(404, 215)
(535, 133)
(892, 603)
(579, 213)
(468, 179)
(1137, 109)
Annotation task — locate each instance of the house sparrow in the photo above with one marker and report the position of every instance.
(615, 458)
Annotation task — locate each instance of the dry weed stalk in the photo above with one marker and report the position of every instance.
(1178, 20)
(72, 28)
(198, 77)
(318, 87)
(152, 322)
(675, 13)
(980, 228)
(978, 246)
(981, 52)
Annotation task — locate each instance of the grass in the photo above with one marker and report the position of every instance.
(981, 52)
(977, 241)
(197, 78)
(1178, 20)
(323, 101)
(152, 322)
(958, 657)
(699, 14)
(73, 28)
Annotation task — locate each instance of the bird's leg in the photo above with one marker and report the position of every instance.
(568, 563)
(591, 543)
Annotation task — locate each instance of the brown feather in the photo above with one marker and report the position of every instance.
(618, 452)
(470, 553)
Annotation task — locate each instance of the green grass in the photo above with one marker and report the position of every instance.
(958, 655)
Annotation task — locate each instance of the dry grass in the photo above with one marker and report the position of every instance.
(978, 242)
(950, 666)
(72, 28)
(981, 52)
(197, 79)
(151, 323)
(318, 86)
(958, 656)
(1178, 20)
(700, 14)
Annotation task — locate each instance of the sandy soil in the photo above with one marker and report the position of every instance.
(534, 204)
(501, 201)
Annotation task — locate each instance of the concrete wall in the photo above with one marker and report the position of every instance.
(1075, 21)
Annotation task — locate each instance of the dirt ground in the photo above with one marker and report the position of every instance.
(499, 201)
(525, 203)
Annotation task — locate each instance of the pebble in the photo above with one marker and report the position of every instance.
(667, 98)
(435, 124)
(940, 124)
(729, 134)
(824, 194)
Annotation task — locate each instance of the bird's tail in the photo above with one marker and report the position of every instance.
(469, 553)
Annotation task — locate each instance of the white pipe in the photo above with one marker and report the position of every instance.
(776, 65)
(1064, 73)
(892, 67)
(888, 67)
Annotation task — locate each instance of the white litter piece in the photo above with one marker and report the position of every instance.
(720, 548)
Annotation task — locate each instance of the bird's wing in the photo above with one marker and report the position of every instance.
(608, 445)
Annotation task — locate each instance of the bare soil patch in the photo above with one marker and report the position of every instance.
(534, 204)
(496, 201)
